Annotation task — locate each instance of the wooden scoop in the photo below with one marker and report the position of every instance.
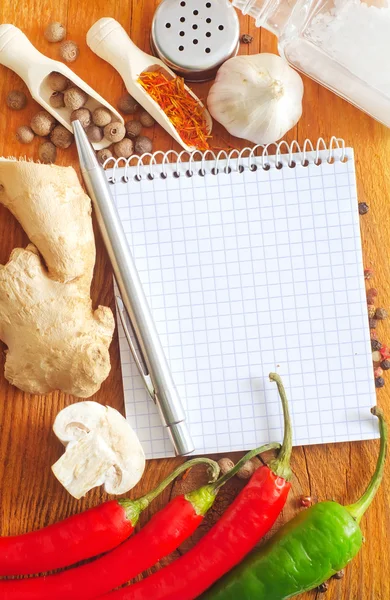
(109, 40)
(17, 53)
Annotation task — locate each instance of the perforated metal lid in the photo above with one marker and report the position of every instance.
(194, 37)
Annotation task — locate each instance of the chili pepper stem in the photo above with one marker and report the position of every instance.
(134, 508)
(358, 509)
(281, 465)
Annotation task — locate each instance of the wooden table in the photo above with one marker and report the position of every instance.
(30, 495)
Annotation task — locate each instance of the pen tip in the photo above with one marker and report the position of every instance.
(87, 157)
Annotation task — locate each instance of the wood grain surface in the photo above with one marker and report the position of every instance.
(30, 496)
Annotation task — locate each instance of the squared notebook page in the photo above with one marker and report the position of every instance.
(248, 273)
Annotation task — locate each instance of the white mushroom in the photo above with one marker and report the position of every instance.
(101, 448)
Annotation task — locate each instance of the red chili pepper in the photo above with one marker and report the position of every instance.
(245, 522)
(81, 536)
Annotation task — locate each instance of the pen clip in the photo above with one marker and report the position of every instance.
(123, 315)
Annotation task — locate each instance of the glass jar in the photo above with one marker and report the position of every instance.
(342, 44)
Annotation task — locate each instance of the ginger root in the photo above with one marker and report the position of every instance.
(55, 340)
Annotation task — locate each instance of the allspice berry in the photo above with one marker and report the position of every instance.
(75, 98)
(124, 148)
(24, 134)
(16, 100)
(246, 470)
(56, 100)
(133, 129)
(101, 116)
(146, 119)
(114, 132)
(94, 133)
(127, 104)
(69, 51)
(57, 81)
(55, 32)
(61, 137)
(103, 155)
(143, 144)
(83, 115)
(47, 153)
(42, 123)
(226, 465)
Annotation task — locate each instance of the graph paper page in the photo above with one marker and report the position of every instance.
(248, 273)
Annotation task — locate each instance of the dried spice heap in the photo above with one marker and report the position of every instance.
(180, 107)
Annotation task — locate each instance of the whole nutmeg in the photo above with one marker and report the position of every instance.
(127, 104)
(226, 465)
(246, 470)
(143, 144)
(56, 100)
(75, 98)
(24, 134)
(42, 123)
(114, 132)
(146, 119)
(124, 148)
(69, 51)
(83, 115)
(55, 32)
(47, 153)
(16, 100)
(57, 82)
(61, 137)
(103, 155)
(101, 116)
(94, 133)
(133, 129)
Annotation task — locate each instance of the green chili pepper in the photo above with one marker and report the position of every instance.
(306, 551)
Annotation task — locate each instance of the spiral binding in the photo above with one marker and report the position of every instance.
(251, 159)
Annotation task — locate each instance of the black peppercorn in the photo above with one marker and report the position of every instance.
(372, 323)
(376, 345)
(323, 587)
(363, 208)
(379, 382)
(385, 364)
(339, 574)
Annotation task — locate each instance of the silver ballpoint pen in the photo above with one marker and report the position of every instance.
(154, 367)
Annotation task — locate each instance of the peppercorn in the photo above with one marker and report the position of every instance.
(55, 32)
(375, 345)
(368, 273)
(339, 574)
(83, 115)
(378, 372)
(246, 38)
(47, 153)
(226, 465)
(143, 144)
(61, 137)
(133, 129)
(56, 100)
(385, 352)
(101, 116)
(103, 155)
(16, 100)
(306, 501)
(75, 98)
(57, 82)
(24, 134)
(69, 51)
(371, 310)
(124, 148)
(146, 119)
(94, 133)
(114, 132)
(127, 104)
(246, 470)
(363, 208)
(379, 382)
(323, 588)
(385, 364)
(373, 323)
(42, 123)
(381, 314)
(376, 357)
(371, 294)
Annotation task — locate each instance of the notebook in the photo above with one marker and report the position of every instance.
(251, 263)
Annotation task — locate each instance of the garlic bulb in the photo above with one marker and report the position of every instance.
(256, 97)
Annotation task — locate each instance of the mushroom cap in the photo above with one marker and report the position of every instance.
(117, 440)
